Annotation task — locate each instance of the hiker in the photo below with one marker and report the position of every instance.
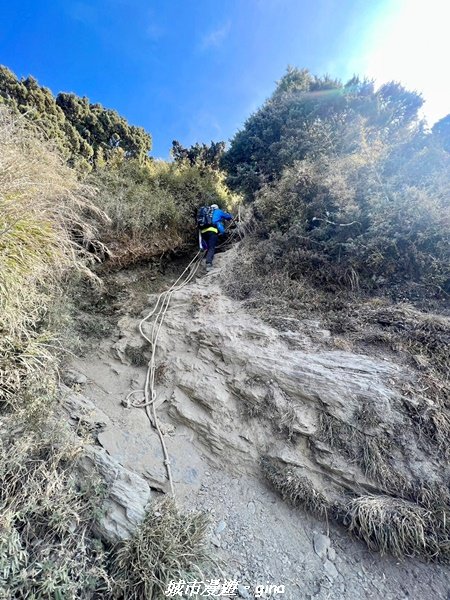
(210, 221)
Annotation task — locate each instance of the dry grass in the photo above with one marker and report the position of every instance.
(152, 207)
(422, 339)
(137, 355)
(430, 494)
(294, 487)
(371, 451)
(41, 201)
(261, 403)
(425, 332)
(399, 527)
(168, 546)
(126, 250)
(45, 549)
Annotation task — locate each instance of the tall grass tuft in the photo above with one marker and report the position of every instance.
(298, 490)
(399, 527)
(168, 546)
(41, 202)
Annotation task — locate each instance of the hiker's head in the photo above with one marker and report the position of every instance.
(215, 206)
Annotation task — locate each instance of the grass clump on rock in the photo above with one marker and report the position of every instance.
(399, 527)
(168, 546)
(387, 524)
(298, 490)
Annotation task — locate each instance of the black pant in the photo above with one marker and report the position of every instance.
(211, 241)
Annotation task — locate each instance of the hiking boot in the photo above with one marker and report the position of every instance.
(208, 267)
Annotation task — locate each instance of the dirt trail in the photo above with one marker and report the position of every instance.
(214, 361)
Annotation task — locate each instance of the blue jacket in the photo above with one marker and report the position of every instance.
(218, 217)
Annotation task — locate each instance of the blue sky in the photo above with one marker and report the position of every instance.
(193, 70)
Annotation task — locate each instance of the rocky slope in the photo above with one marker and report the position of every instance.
(232, 391)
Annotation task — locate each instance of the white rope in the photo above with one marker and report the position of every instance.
(149, 392)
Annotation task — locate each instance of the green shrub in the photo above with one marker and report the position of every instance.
(348, 187)
(152, 206)
(343, 224)
(310, 117)
(85, 134)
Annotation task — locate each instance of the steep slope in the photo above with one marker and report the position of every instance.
(232, 391)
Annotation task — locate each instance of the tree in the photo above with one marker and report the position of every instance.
(104, 128)
(86, 134)
(309, 116)
(202, 155)
(441, 130)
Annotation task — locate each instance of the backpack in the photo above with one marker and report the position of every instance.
(205, 216)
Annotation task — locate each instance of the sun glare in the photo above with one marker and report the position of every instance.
(410, 43)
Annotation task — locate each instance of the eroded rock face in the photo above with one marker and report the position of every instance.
(127, 492)
(248, 390)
